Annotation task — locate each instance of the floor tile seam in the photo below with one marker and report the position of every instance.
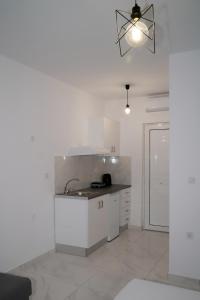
(99, 269)
(138, 238)
(76, 285)
(156, 263)
(130, 269)
(81, 284)
(112, 255)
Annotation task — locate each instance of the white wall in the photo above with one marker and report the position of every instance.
(39, 118)
(131, 135)
(185, 163)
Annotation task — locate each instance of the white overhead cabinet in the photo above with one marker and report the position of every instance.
(102, 137)
(104, 133)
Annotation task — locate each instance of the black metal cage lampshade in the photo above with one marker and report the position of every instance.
(136, 29)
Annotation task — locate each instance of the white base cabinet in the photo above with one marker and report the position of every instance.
(82, 225)
(80, 222)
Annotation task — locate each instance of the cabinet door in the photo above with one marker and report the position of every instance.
(96, 132)
(112, 136)
(97, 225)
(71, 221)
(104, 133)
(113, 216)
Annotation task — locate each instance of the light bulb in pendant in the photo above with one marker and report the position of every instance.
(136, 35)
(127, 110)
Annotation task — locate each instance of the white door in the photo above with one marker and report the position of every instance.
(156, 183)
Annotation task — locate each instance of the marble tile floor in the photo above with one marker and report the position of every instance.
(134, 254)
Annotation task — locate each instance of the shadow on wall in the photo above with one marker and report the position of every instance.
(90, 168)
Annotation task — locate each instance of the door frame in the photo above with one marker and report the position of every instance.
(159, 125)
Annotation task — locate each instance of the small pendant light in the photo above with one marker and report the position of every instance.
(127, 108)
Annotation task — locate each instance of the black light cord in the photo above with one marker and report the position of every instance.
(127, 86)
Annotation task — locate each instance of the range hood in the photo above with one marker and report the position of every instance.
(87, 150)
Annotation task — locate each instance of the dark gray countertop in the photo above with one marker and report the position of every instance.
(90, 193)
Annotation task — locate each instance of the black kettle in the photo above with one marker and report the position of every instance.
(106, 178)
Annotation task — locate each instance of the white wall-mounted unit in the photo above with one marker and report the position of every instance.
(157, 109)
(102, 138)
(87, 150)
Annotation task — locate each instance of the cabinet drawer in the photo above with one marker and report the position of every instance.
(125, 211)
(125, 193)
(125, 202)
(123, 220)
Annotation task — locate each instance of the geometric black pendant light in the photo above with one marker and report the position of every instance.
(135, 29)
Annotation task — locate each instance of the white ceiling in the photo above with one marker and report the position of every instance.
(73, 41)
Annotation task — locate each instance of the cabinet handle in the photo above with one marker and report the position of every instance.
(127, 210)
(127, 201)
(102, 204)
(99, 204)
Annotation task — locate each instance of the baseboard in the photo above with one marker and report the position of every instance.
(79, 251)
(30, 262)
(190, 283)
(123, 228)
(138, 228)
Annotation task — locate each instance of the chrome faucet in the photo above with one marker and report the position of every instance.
(66, 190)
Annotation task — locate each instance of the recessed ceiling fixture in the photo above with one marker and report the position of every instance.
(127, 108)
(136, 28)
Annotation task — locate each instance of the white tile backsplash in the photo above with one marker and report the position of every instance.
(90, 168)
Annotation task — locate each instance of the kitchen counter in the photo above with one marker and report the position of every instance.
(90, 193)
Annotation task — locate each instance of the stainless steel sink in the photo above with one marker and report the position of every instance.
(81, 193)
(77, 193)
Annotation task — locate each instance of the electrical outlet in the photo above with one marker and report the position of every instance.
(33, 217)
(32, 138)
(191, 180)
(190, 235)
